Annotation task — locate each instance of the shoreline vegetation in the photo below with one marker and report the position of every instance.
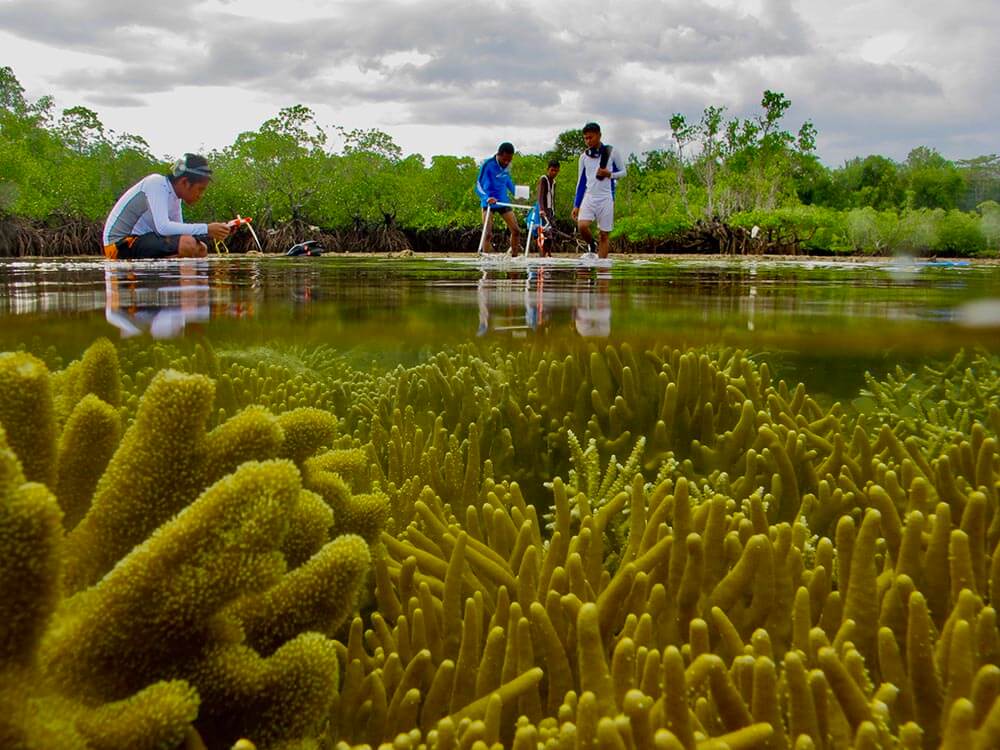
(723, 186)
(26, 238)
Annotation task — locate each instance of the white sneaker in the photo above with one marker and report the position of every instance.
(588, 257)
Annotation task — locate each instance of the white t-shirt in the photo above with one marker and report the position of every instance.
(587, 182)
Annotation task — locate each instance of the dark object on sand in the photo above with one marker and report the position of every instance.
(309, 247)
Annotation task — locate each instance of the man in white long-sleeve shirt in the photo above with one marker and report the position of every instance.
(147, 221)
(600, 169)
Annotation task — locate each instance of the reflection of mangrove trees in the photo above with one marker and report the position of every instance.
(728, 186)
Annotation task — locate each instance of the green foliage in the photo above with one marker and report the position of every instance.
(934, 182)
(742, 164)
(916, 232)
(276, 173)
(810, 227)
(73, 167)
(990, 226)
(874, 181)
(651, 225)
(292, 169)
(982, 179)
(958, 233)
(567, 146)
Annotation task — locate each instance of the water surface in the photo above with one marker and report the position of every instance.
(825, 322)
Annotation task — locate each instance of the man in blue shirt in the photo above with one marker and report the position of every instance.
(493, 185)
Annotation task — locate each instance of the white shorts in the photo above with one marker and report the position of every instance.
(600, 209)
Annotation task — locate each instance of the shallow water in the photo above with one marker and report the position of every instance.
(821, 322)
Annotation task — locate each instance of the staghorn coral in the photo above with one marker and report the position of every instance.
(938, 402)
(803, 469)
(761, 571)
(180, 577)
(32, 713)
(27, 415)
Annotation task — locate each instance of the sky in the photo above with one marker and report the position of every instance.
(459, 77)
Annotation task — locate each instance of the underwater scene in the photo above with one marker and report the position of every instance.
(463, 503)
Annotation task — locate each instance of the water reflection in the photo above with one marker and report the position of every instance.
(533, 301)
(164, 301)
(592, 311)
(390, 304)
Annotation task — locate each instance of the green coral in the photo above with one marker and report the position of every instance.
(30, 567)
(189, 555)
(27, 414)
(33, 712)
(341, 478)
(571, 546)
(87, 442)
(156, 471)
(319, 596)
(307, 431)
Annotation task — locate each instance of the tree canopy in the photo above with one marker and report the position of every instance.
(293, 168)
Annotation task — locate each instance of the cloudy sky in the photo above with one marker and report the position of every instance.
(458, 77)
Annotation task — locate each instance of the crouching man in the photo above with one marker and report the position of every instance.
(147, 221)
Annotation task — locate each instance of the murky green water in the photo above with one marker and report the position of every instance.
(821, 322)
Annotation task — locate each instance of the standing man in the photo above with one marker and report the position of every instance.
(493, 185)
(543, 215)
(147, 221)
(600, 169)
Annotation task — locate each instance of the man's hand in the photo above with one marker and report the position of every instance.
(218, 230)
(491, 201)
(576, 213)
(603, 172)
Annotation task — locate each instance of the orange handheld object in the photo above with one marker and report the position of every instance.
(239, 221)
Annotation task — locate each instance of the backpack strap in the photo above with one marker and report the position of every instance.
(605, 155)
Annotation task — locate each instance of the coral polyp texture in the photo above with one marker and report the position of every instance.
(562, 547)
(187, 593)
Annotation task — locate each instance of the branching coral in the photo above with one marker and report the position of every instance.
(572, 547)
(32, 713)
(936, 404)
(184, 612)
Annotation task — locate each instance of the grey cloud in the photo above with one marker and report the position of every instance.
(534, 59)
(101, 26)
(529, 64)
(116, 100)
(855, 79)
(121, 82)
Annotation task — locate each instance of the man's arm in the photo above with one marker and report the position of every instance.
(482, 180)
(618, 167)
(156, 198)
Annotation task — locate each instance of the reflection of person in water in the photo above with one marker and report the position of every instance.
(162, 311)
(535, 314)
(500, 293)
(592, 314)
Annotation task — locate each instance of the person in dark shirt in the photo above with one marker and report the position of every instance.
(545, 216)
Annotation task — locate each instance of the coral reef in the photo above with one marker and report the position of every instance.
(559, 547)
(194, 596)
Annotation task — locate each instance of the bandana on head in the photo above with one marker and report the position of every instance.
(181, 168)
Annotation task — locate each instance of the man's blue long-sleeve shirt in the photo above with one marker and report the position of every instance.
(493, 181)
